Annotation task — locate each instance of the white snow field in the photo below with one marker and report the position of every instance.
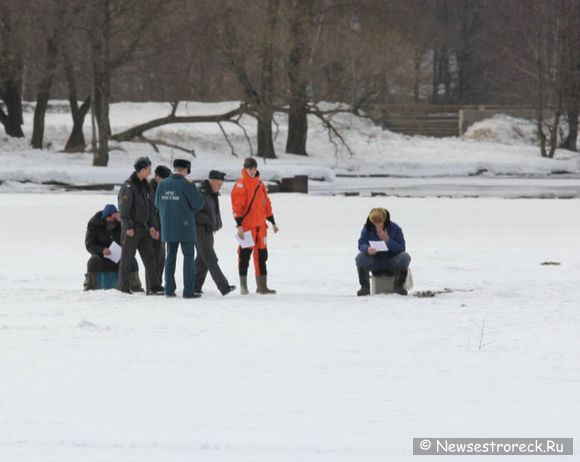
(311, 374)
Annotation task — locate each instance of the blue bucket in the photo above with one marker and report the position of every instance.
(107, 279)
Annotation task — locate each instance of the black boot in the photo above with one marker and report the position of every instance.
(227, 290)
(400, 283)
(365, 285)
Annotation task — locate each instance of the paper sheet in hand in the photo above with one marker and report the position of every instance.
(379, 246)
(115, 252)
(247, 241)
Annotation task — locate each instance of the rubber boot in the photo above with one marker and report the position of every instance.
(365, 284)
(262, 283)
(400, 283)
(90, 281)
(135, 282)
(244, 285)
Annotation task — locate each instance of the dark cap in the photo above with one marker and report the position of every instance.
(108, 210)
(216, 175)
(182, 163)
(141, 163)
(162, 171)
(250, 162)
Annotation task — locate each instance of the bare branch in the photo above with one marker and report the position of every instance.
(236, 122)
(155, 142)
(227, 139)
(138, 130)
(174, 105)
(277, 125)
(332, 131)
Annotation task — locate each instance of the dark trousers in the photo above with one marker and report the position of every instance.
(259, 250)
(141, 241)
(207, 260)
(97, 264)
(389, 263)
(159, 250)
(188, 251)
(260, 262)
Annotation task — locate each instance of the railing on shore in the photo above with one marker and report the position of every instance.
(439, 120)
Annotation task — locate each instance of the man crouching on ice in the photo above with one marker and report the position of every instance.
(379, 227)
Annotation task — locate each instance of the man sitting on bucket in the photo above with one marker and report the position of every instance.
(395, 260)
(103, 229)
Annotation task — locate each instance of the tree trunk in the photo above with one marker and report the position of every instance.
(265, 138)
(265, 111)
(101, 155)
(571, 140)
(44, 93)
(101, 74)
(300, 33)
(542, 137)
(418, 55)
(76, 141)
(441, 71)
(10, 76)
(12, 118)
(554, 135)
(297, 130)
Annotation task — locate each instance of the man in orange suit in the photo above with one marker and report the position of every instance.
(252, 208)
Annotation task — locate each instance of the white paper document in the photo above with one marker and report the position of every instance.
(115, 252)
(247, 241)
(379, 246)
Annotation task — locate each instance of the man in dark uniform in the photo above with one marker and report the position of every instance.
(208, 221)
(161, 172)
(178, 200)
(138, 227)
(103, 229)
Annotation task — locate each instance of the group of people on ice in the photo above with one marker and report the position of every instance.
(157, 217)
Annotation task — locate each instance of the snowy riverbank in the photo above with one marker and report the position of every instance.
(494, 148)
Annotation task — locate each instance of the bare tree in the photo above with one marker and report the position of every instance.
(572, 77)
(10, 69)
(266, 99)
(54, 15)
(534, 63)
(300, 37)
(76, 140)
(240, 49)
(116, 30)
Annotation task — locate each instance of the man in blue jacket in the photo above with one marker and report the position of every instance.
(178, 200)
(379, 227)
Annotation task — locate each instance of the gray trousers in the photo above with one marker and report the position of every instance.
(141, 242)
(207, 260)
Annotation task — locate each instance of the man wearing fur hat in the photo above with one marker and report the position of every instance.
(161, 172)
(178, 200)
(208, 221)
(103, 229)
(139, 227)
(379, 227)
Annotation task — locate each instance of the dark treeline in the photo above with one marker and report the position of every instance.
(287, 55)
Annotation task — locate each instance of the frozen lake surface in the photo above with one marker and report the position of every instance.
(311, 374)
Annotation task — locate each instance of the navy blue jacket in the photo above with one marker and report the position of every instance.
(178, 200)
(396, 242)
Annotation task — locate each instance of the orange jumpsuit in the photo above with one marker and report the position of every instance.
(252, 216)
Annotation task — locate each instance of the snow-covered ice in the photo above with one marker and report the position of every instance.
(311, 374)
